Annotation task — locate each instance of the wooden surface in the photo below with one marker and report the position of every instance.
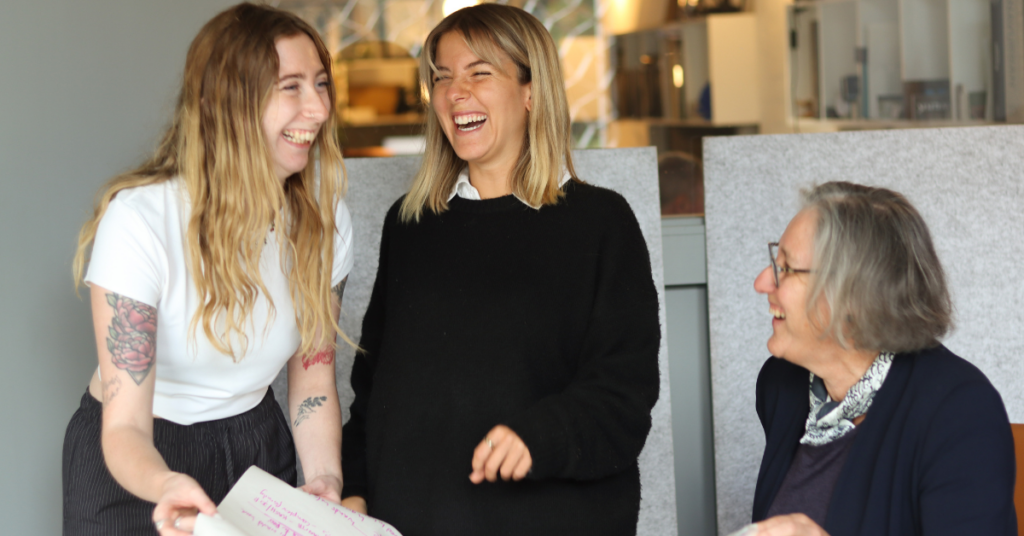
(1018, 492)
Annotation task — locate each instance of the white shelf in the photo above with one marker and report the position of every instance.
(970, 46)
(933, 56)
(718, 50)
(733, 68)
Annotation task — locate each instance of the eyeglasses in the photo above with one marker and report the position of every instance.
(773, 249)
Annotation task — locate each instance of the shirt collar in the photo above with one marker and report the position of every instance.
(465, 190)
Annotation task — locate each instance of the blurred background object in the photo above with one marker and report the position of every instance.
(681, 184)
(863, 64)
(376, 47)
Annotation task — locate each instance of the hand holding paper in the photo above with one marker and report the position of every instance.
(260, 504)
(324, 486)
(784, 525)
(181, 497)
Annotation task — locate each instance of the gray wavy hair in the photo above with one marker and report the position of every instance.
(877, 269)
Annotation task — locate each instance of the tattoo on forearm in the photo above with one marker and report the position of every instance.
(110, 388)
(132, 339)
(323, 357)
(339, 289)
(308, 407)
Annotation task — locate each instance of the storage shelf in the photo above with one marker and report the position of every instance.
(881, 124)
(897, 63)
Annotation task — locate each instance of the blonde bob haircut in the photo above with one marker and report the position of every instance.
(876, 267)
(217, 146)
(494, 32)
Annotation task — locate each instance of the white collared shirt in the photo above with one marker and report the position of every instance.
(465, 190)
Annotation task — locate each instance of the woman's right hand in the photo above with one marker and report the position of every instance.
(356, 504)
(785, 525)
(180, 501)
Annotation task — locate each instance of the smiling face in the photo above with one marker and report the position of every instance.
(794, 338)
(298, 106)
(482, 108)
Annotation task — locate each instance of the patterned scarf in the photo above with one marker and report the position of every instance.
(829, 420)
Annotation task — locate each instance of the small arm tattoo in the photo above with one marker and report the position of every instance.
(308, 407)
(132, 336)
(339, 289)
(323, 357)
(110, 388)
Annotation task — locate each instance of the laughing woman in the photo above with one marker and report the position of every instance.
(511, 341)
(212, 266)
(872, 427)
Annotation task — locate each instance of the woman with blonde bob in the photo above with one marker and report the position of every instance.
(212, 265)
(511, 341)
(872, 426)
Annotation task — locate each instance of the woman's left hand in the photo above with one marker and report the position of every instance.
(502, 453)
(787, 525)
(326, 487)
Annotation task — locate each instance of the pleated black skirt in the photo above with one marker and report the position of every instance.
(215, 453)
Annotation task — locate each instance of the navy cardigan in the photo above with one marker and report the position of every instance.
(934, 456)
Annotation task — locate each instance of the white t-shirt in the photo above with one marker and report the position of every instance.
(140, 252)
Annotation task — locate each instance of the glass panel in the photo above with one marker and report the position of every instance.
(376, 45)
(893, 60)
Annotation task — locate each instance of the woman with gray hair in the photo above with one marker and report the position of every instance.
(872, 426)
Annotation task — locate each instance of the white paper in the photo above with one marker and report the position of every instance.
(214, 526)
(262, 505)
(748, 530)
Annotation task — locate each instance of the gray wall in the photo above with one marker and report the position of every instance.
(85, 89)
(686, 321)
(374, 184)
(968, 184)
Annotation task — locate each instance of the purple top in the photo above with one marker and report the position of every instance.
(812, 476)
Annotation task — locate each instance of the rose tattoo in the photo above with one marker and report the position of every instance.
(132, 339)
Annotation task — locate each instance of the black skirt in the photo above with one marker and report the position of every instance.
(215, 453)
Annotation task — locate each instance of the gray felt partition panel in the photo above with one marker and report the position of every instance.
(968, 184)
(375, 183)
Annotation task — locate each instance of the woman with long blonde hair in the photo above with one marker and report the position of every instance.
(212, 266)
(511, 341)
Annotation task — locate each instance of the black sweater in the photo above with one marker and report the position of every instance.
(495, 313)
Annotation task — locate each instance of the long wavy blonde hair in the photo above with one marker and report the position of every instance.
(216, 144)
(490, 31)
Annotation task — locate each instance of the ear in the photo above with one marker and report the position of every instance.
(527, 92)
